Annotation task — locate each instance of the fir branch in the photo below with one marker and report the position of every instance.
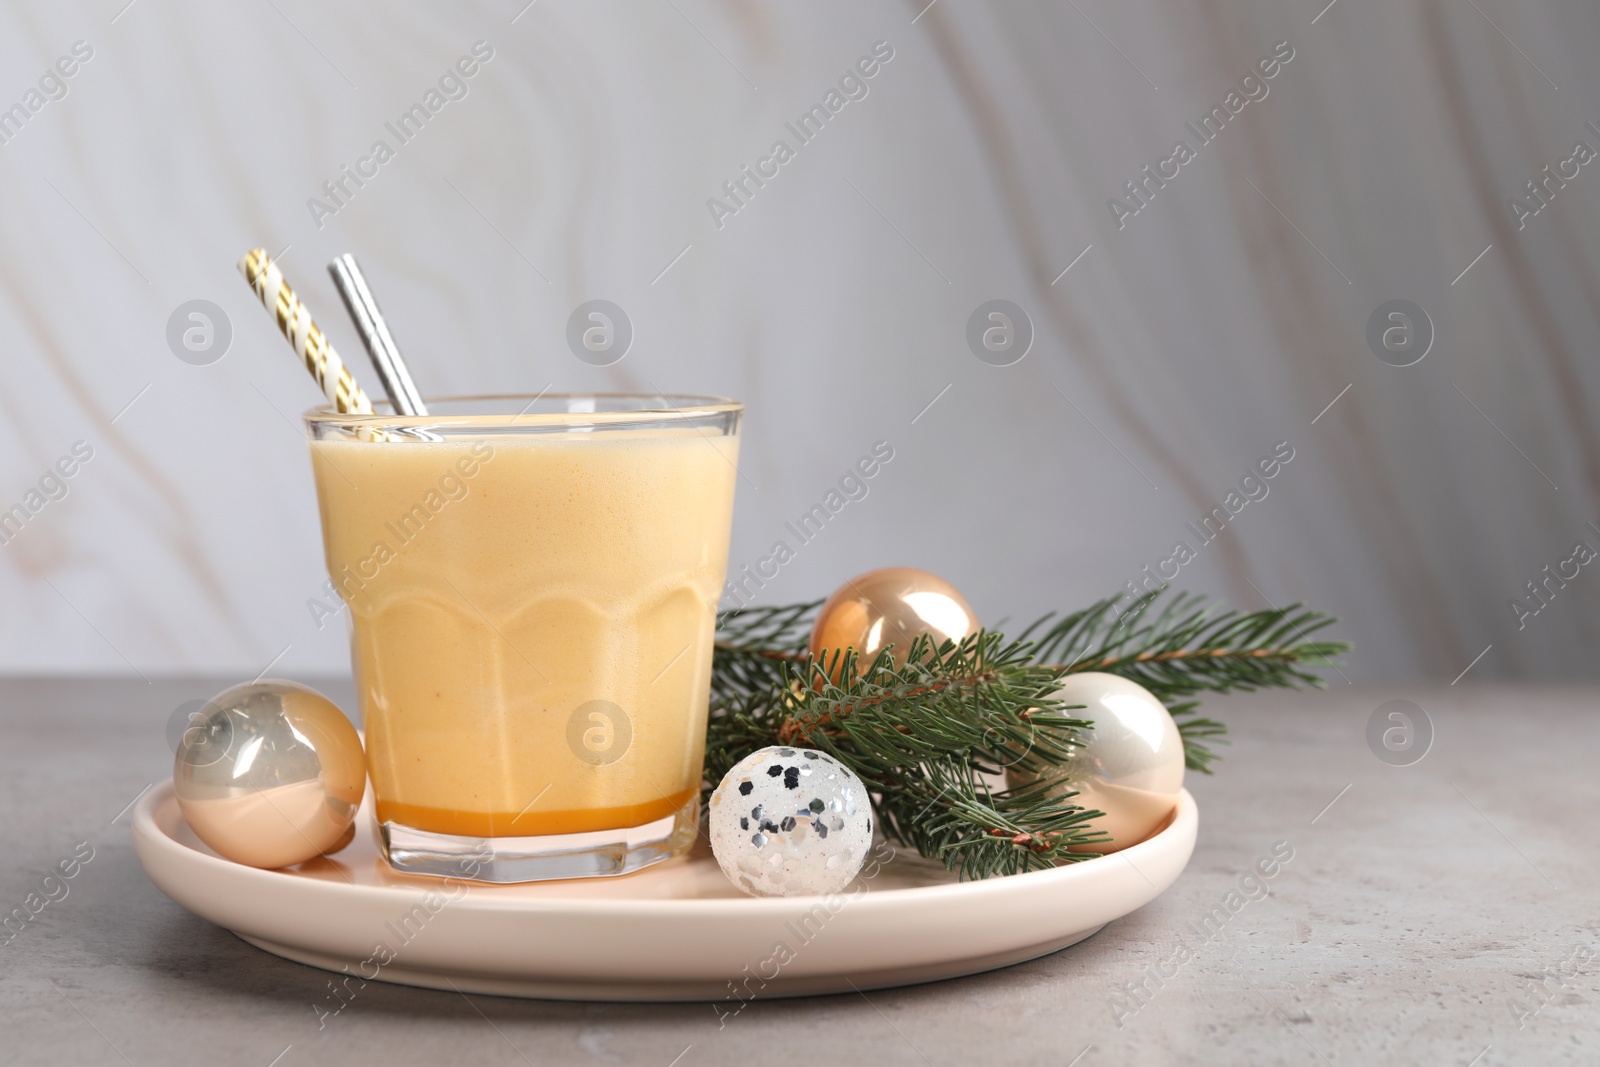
(785, 628)
(1186, 648)
(982, 699)
(927, 735)
(1195, 732)
(922, 736)
(947, 813)
(755, 645)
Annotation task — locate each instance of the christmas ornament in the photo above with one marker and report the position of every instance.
(790, 821)
(1130, 765)
(270, 774)
(890, 606)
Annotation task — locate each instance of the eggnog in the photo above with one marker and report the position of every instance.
(533, 618)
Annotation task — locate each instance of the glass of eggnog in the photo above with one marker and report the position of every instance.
(532, 587)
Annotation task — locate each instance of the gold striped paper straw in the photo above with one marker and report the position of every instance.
(309, 342)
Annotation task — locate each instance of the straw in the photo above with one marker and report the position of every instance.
(375, 335)
(309, 342)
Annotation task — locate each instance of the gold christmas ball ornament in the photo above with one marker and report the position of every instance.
(270, 774)
(1130, 765)
(890, 606)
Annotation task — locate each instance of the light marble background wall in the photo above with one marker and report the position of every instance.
(1222, 319)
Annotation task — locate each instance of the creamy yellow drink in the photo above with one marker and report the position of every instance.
(533, 617)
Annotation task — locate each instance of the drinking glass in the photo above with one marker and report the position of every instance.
(532, 586)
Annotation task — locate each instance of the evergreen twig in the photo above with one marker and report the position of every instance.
(754, 645)
(928, 735)
(1186, 648)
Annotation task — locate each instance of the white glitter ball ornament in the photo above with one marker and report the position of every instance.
(790, 822)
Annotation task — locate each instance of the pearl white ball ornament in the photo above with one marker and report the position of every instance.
(790, 821)
(270, 774)
(1130, 765)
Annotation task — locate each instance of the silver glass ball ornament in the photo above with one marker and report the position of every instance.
(270, 774)
(1130, 766)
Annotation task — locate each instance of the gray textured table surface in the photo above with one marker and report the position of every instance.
(1443, 913)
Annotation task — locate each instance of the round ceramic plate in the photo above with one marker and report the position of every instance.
(676, 931)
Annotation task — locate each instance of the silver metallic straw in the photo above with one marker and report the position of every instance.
(352, 286)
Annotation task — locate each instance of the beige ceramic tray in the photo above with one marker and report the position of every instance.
(676, 931)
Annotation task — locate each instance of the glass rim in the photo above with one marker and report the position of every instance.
(674, 407)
